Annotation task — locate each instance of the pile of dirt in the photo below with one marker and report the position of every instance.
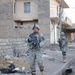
(5, 63)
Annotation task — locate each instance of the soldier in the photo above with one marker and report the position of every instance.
(63, 45)
(35, 42)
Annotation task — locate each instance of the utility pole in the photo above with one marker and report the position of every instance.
(60, 15)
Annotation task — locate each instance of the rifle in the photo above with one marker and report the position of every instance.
(33, 39)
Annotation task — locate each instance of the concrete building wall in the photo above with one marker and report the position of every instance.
(44, 18)
(6, 19)
(54, 32)
(54, 8)
(54, 14)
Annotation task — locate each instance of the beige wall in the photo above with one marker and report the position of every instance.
(68, 21)
(20, 15)
(69, 37)
(54, 2)
(54, 26)
(54, 13)
(54, 32)
(53, 8)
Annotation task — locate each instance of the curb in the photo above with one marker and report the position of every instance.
(63, 68)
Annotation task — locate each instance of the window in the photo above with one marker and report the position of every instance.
(21, 23)
(27, 7)
(57, 10)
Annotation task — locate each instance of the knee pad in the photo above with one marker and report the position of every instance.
(41, 70)
(64, 53)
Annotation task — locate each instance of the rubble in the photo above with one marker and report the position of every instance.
(2, 66)
(53, 58)
(7, 57)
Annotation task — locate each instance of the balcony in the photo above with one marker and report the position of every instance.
(54, 15)
(64, 4)
(66, 21)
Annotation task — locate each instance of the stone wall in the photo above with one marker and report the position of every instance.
(13, 46)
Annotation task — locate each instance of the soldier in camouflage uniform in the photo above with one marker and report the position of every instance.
(63, 45)
(35, 42)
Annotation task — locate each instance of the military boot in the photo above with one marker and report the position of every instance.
(33, 74)
(43, 73)
(64, 59)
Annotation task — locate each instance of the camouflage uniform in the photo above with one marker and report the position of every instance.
(35, 52)
(63, 44)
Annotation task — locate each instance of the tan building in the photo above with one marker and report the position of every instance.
(18, 16)
(16, 20)
(55, 27)
(28, 12)
(72, 32)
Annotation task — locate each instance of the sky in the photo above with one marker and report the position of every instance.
(70, 12)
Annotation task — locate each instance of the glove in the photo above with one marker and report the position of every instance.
(41, 44)
(30, 40)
